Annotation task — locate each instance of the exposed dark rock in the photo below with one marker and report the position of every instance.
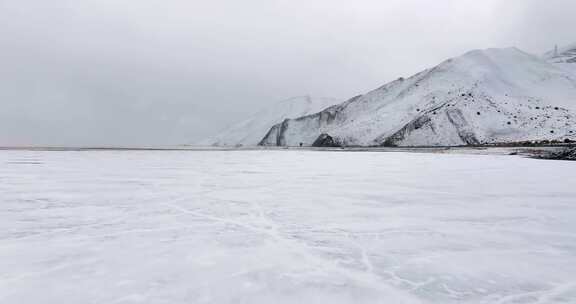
(456, 118)
(465, 132)
(271, 138)
(565, 154)
(405, 131)
(325, 140)
(275, 137)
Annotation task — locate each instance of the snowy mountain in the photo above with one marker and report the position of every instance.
(252, 130)
(482, 97)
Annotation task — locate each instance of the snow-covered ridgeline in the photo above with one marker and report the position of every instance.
(484, 96)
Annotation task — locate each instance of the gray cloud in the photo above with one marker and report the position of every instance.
(536, 25)
(136, 72)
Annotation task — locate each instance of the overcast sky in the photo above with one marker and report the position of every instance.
(157, 72)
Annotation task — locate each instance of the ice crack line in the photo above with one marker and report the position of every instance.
(366, 278)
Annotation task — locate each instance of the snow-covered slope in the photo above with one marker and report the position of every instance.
(484, 96)
(251, 131)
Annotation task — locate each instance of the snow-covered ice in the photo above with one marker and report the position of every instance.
(285, 227)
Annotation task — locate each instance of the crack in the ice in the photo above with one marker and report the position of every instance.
(368, 279)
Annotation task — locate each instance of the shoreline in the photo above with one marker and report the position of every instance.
(489, 149)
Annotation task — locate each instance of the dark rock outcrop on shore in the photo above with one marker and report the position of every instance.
(325, 140)
(568, 153)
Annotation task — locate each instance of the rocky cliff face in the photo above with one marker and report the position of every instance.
(483, 97)
(250, 131)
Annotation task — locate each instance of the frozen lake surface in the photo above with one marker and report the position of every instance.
(285, 227)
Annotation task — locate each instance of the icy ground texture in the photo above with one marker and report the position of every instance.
(285, 227)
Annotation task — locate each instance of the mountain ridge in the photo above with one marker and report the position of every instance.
(482, 97)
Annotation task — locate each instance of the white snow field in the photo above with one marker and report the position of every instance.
(285, 227)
